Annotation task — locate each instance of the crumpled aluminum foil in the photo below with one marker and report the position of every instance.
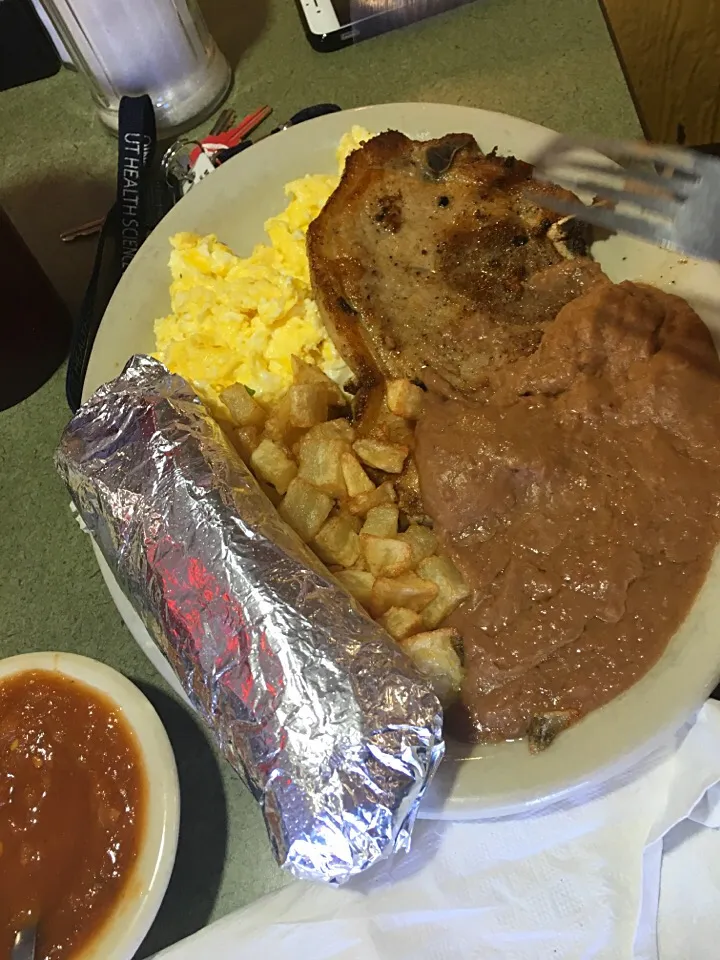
(325, 718)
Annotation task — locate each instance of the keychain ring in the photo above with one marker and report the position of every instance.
(172, 156)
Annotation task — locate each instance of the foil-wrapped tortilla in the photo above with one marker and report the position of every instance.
(311, 702)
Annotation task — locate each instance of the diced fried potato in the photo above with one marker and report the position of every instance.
(337, 542)
(407, 590)
(401, 623)
(305, 508)
(278, 426)
(303, 407)
(405, 399)
(382, 521)
(394, 429)
(389, 457)
(359, 583)
(308, 405)
(321, 465)
(360, 563)
(305, 373)
(407, 487)
(356, 480)
(355, 522)
(385, 557)
(422, 540)
(244, 411)
(452, 589)
(245, 439)
(360, 504)
(270, 462)
(337, 429)
(434, 654)
(376, 422)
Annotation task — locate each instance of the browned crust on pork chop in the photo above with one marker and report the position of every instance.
(429, 259)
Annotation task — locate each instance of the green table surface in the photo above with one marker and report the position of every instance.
(550, 61)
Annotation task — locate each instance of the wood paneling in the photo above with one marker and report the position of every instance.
(670, 51)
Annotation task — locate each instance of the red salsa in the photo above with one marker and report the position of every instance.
(72, 800)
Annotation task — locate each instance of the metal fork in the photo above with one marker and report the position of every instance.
(667, 195)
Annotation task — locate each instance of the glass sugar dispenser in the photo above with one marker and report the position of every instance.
(131, 47)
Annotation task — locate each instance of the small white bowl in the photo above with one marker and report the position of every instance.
(125, 929)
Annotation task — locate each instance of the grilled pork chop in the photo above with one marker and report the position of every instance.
(428, 259)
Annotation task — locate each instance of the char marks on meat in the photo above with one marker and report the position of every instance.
(429, 259)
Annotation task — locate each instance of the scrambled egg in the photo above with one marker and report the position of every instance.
(238, 320)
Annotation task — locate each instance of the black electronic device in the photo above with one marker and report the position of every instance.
(333, 24)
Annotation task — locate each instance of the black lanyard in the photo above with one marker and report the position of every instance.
(130, 220)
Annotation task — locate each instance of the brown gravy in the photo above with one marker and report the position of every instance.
(72, 793)
(581, 500)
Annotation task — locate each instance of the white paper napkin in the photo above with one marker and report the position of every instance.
(580, 879)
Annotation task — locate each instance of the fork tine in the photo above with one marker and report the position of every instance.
(685, 191)
(684, 162)
(604, 217)
(666, 206)
(670, 186)
(679, 159)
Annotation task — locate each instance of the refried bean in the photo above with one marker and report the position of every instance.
(580, 500)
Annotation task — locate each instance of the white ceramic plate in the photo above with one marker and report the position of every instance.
(234, 203)
(125, 929)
